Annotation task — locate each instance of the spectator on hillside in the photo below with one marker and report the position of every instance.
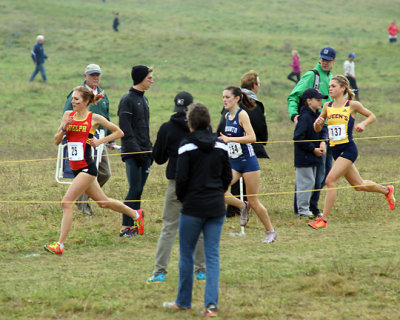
(92, 77)
(350, 73)
(134, 116)
(39, 56)
(317, 78)
(169, 138)
(116, 22)
(392, 31)
(296, 67)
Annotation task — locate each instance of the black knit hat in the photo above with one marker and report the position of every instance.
(182, 100)
(138, 73)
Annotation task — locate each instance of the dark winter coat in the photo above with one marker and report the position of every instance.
(303, 151)
(134, 115)
(203, 174)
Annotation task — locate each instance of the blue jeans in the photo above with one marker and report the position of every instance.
(189, 231)
(137, 177)
(39, 68)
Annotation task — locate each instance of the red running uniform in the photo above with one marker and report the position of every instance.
(78, 134)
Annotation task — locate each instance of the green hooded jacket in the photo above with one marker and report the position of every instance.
(307, 82)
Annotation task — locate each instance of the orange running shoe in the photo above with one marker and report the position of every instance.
(139, 222)
(390, 197)
(318, 224)
(54, 248)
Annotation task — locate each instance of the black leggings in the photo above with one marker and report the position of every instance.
(291, 75)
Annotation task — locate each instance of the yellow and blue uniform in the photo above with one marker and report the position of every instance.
(340, 129)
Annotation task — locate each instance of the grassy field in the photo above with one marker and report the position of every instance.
(349, 271)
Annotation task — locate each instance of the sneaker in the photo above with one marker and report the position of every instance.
(201, 276)
(318, 224)
(155, 279)
(244, 214)
(307, 215)
(139, 222)
(129, 232)
(173, 305)
(54, 248)
(390, 197)
(317, 214)
(210, 311)
(270, 236)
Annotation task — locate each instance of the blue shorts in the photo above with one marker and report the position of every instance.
(90, 169)
(346, 150)
(245, 164)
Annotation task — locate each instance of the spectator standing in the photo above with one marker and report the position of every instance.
(307, 150)
(116, 22)
(134, 116)
(317, 78)
(92, 80)
(392, 31)
(203, 177)
(350, 73)
(39, 56)
(296, 71)
(169, 138)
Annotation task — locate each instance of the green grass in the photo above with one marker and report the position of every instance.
(349, 271)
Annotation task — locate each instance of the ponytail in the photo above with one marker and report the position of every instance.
(88, 95)
(244, 99)
(344, 82)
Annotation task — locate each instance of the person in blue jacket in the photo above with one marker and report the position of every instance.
(39, 56)
(308, 151)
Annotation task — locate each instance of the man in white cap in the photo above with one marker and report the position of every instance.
(39, 56)
(92, 76)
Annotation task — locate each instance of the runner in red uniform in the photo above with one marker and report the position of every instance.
(80, 125)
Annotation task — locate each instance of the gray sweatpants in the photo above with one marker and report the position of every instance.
(305, 180)
(170, 224)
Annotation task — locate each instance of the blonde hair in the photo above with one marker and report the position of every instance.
(344, 82)
(88, 95)
(295, 53)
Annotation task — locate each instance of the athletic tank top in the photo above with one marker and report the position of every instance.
(79, 149)
(340, 124)
(234, 129)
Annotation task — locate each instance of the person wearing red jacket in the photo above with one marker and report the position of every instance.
(392, 30)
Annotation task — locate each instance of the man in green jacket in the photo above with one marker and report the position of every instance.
(317, 78)
(92, 80)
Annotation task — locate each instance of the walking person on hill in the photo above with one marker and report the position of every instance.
(392, 30)
(203, 175)
(134, 117)
(39, 56)
(239, 135)
(169, 138)
(350, 73)
(80, 125)
(92, 75)
(340, 115)
(116, 22)
(296, 67)
(317, 78)
(250, 84)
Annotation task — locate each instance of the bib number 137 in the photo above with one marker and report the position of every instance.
(337, 132)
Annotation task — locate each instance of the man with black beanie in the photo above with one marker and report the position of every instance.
(133, 113)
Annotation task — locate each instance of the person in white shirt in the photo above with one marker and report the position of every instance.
(349, 72)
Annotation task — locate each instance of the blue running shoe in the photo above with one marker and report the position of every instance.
(201, 276)
(158, 278)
